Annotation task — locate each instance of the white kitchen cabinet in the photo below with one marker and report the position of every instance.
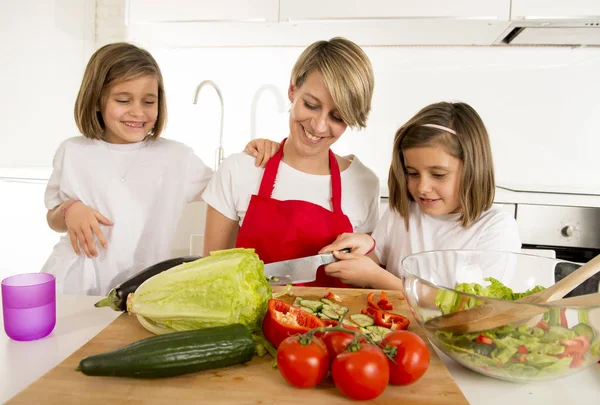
(307, 10)
(555, 9)
(160, 11)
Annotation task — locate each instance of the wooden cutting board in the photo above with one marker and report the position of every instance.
(253, 383)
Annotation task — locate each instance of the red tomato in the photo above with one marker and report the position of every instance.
(337, 341)
(302, 365)
(412, 357)
(363, 374)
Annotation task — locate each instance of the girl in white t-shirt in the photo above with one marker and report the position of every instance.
(118, 191)
(441, 184)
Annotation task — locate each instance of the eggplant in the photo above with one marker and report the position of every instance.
(117, 297)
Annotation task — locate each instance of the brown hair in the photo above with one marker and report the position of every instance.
(113, 64)
(347, 73)
(471, 145)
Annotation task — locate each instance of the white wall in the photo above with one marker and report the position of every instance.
(540, 104)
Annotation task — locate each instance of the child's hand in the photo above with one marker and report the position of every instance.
(82, 223)
(354, 269)
(262, 150)
(359, 243)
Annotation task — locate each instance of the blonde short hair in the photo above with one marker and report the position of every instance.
(470, 144)
(347, 73)
(113, 64)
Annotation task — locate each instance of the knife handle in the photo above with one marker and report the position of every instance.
(329, 258)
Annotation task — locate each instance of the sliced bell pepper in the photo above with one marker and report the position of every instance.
(283, 320)
(542, 325)
(522, 349)
(484, 340)
(382, 298)
(333, 297)
(386, 319)
(371, 301)
(563, 318)
(391, 320)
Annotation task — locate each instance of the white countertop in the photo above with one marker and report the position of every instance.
(78, 321)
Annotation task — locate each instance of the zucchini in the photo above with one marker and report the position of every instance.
(175, 353)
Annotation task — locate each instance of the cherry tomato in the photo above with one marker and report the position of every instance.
(361, 374)
(302, 363)
(411, 359)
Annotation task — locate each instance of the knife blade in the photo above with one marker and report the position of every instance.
(301, 270)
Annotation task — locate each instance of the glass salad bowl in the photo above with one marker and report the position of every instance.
(558, 341)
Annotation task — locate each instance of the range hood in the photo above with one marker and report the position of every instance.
(584, 31)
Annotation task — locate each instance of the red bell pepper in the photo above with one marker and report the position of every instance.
(283, 320)
(563, 318)
(333, 297)
(523, 350)
(484, 340)
(383, 302)
(542, 325)
(386, 319)
(371, 301)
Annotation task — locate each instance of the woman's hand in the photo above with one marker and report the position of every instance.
(82, 223)
(262, 150)
(359, 243)
(355, 269)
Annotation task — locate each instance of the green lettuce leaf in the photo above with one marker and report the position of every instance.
(227, 287)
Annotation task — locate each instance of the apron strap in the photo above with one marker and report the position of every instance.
(336, 183)
(267, 183)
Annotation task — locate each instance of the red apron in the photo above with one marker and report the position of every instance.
(284, 230)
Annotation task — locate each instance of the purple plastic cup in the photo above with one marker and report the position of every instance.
(29, 305)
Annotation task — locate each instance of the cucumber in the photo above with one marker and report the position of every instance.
(328, 302)
(330, 313)
(348, 322)
(581, 329)
(341, 310)
(362, 320)
(378, 330)
(297, 301)
(175, 353)
(307, 309)
(314, 305)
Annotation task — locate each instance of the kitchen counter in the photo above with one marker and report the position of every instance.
(78, 321)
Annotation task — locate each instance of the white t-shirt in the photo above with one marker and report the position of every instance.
(161, 177)
(495, 230)
(237, 179)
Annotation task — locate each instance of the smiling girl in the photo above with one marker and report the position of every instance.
(306, 195)
(441, 184)
(118, 191)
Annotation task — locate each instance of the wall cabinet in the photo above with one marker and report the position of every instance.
(554, 9)
(153, 11)
(306, 10)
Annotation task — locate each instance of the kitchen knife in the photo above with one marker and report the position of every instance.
(302, 270)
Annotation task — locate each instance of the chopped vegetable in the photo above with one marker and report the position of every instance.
(283, 320)
(333, 297)
(548, 348)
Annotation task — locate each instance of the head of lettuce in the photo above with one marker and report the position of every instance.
(227, 287)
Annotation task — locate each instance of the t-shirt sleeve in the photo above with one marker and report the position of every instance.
(219, 192)
(381, 236)
(53, 195)
(502, 234)
(200, 175)
(373, 211)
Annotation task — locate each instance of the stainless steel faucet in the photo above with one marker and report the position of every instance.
(220, 153)
(280, 104)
